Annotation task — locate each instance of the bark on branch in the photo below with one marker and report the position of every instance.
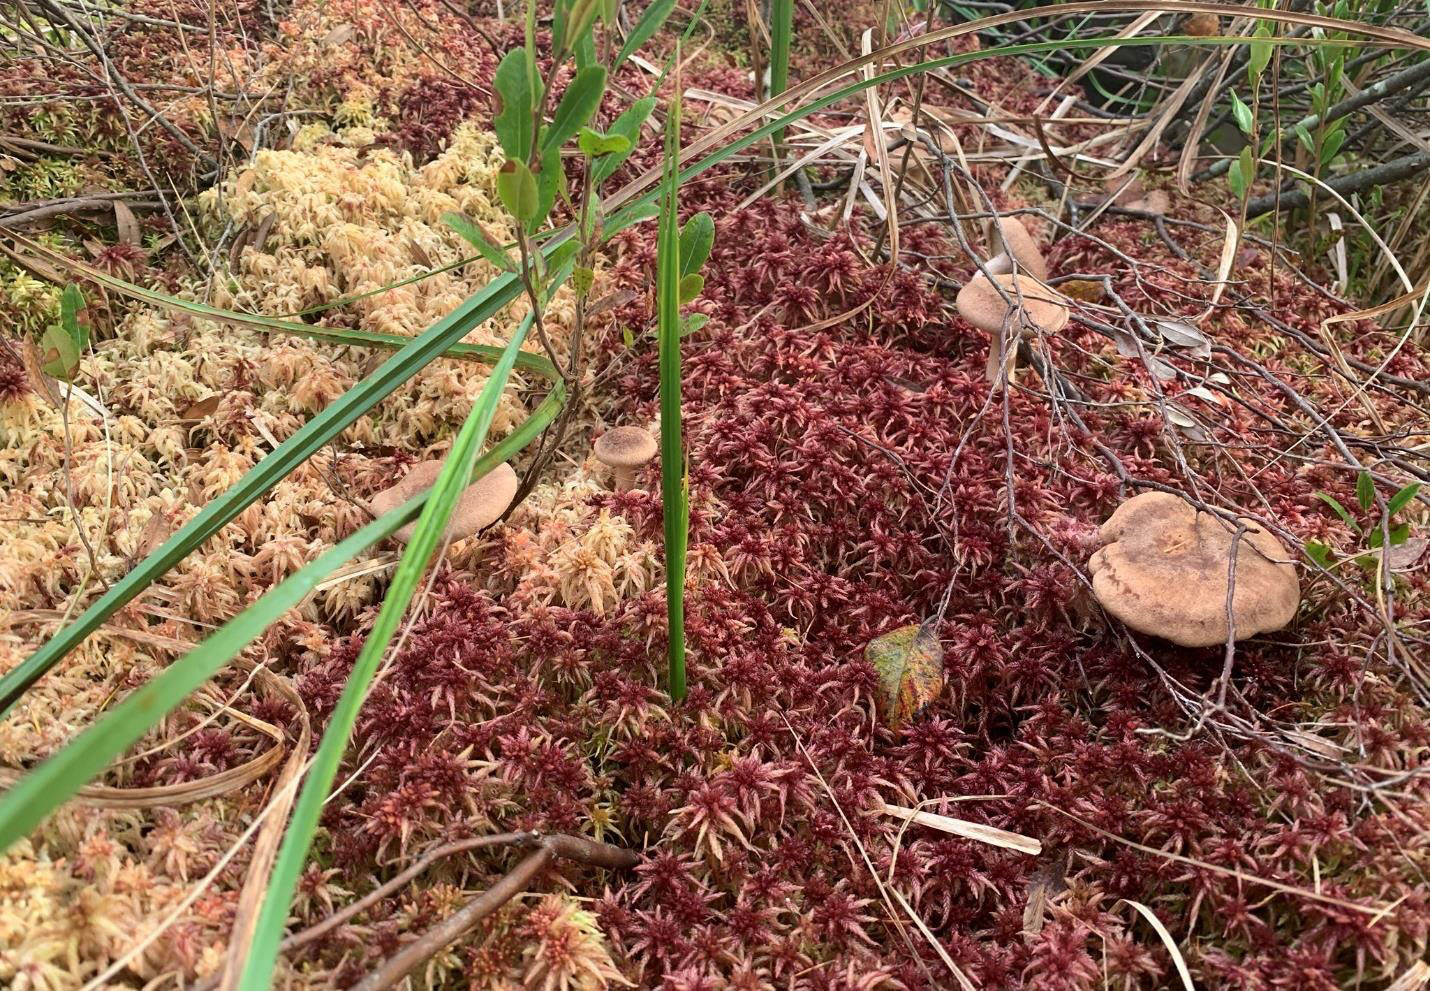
(548, 848)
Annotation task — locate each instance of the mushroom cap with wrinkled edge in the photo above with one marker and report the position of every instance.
(1016, 242)
(1163, 570)
(479, 505)
(979, 303)
(625, 447)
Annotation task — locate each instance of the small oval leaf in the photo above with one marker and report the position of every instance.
(909, 663)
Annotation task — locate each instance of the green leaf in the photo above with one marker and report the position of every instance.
(583, 15)
(1319, 553)
(909, 663)
(1235, 180)
(1242, 113)
(62, 344)
(1365, 490)
(582, 279)
(1340, 510)
(441, 501)
(690, 287)
(647, 26)
(696, 239)
(1260, 52)
(627, 125)
(1331, 145)
(577, 105)
(517, 188)
(1398, 535)
(1402, 498)
(1248, 166)
(630, 216)
(1303, 134)
(516, 96)
(473, 234)
(594, 144)
(411, 355)
(692, 323)
(42, 790)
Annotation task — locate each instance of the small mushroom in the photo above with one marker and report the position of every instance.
(980, 303)
(478, 507)
(625, 450)
(1163, 569)
(1012, 243)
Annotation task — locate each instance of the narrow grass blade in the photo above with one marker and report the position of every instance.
(40, 792)
(781, 37)
(442, 499)
(675, 494)
(307, 441)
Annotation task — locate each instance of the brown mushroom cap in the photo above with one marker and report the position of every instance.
(625, 447)
(479, 505)
(979, 303)
(1157, 201)
(1011, 238)
(1163, 570)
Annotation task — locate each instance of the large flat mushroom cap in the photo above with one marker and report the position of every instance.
(980, 304)
(1163, 570)
(479, 505)
(1011, 237)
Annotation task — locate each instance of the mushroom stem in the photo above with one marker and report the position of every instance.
(1001, 361)
(625, 478)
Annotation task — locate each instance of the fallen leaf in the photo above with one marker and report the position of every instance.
(1183, 420)
(909, 662)
(338, 35)
(977, 831)
(610, 302)
(1180, 333)
(126, 223)
(202, 408)
(1404, 556)
(260, 236)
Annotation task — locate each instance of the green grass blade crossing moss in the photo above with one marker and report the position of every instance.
(38, 793)
(675, 494)
(306, 442)
(781, 38)
(442, 499)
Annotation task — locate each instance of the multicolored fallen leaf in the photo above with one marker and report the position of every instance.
(909, 662)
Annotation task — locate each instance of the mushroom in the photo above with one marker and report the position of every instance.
(480, 504)
(1163, 569)
(981, 304)
(626, 450)
(1012, 243)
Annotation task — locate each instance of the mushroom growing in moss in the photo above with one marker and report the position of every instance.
(1164, 566)
(1012, 243)
(478, 507)
(625, 450)
(981, 303)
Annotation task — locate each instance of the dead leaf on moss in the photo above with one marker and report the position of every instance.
(909, 662)
(126, 223)
(202, 408)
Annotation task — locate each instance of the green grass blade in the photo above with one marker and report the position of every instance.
(674, 495)
(273, 916)
(781, 37)
(308, 440)
(36, 795)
